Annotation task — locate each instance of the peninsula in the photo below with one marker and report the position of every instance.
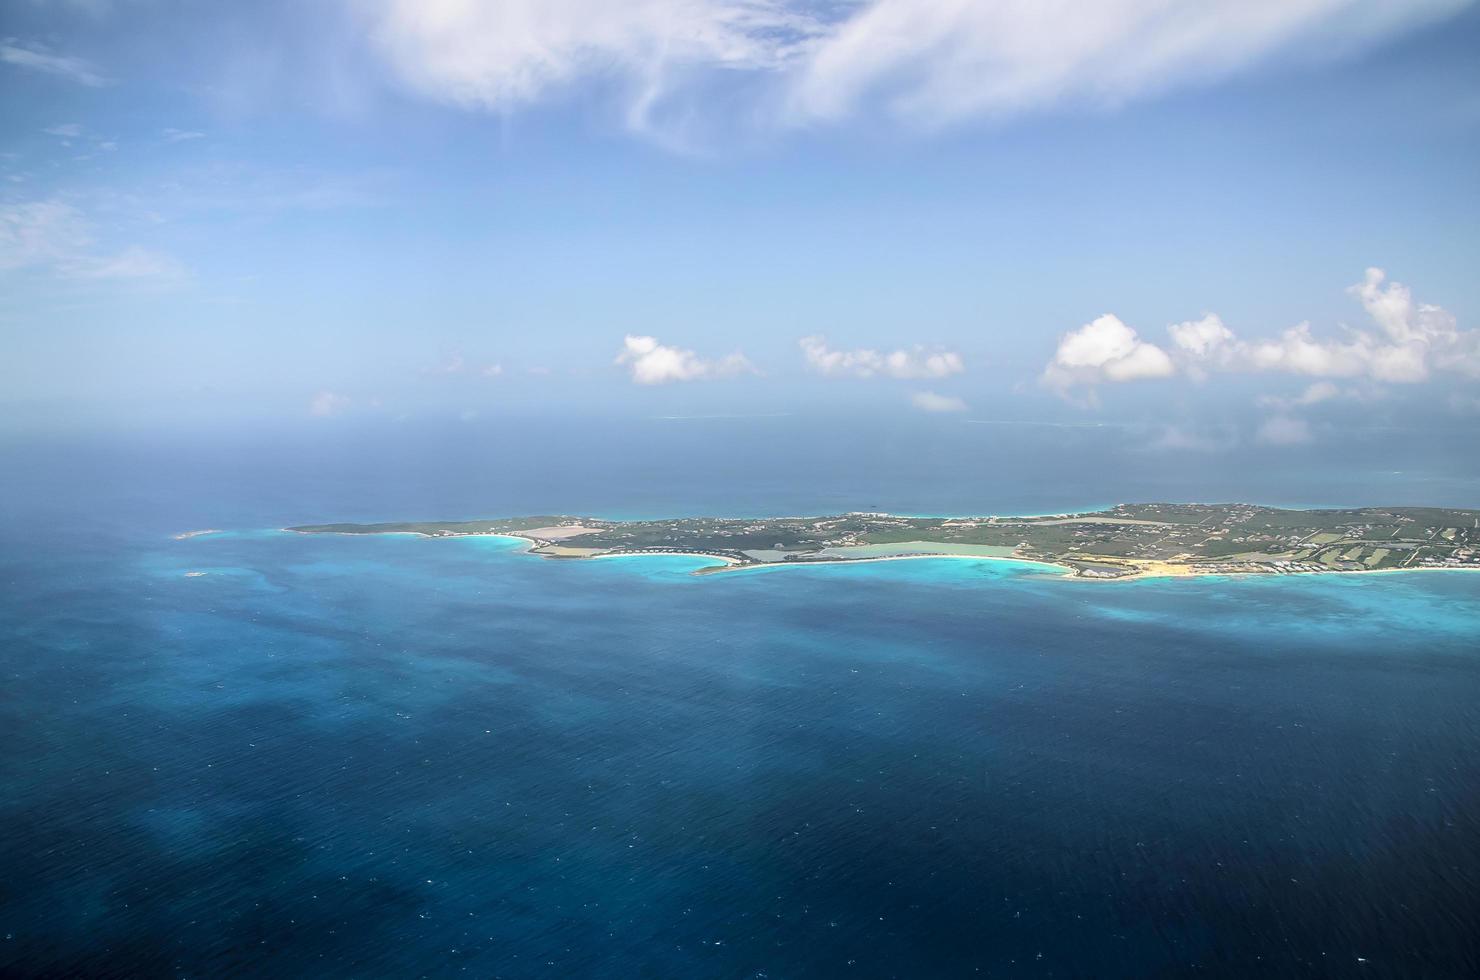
(1125, 541)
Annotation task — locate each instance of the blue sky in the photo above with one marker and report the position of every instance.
(306, 213)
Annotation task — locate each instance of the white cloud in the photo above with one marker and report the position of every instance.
(181, 135)
(1297, 351)
(457, 365)
(64, 130)
(1417, 330)
(914, 362)
(651, 363)
(41, 233)
(939, 62)
(453, 365)
(1201, 341)
(1412, 341)
(131, 263)
(56, 236)
(506, 54)
(1105, 349)
(929, 401)
(1182, 438)
(1314, 394)
(327, 403)
(37, 58)
(926, 63)
(1283, 430)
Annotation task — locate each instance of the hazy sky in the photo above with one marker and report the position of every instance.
(1254, 219)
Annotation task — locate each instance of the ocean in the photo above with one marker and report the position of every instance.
(392, 756)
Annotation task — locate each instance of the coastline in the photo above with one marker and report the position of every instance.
(735, 566)
(726, 564)
(1063, 571)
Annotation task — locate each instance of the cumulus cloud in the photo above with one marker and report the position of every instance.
(929, 401)
(1105, 349)
(913, 362)
(1411, 341)
(328, 403)
(924, 63)
(494, 370)
(652, 363)
(38, 58)
(1200, 341)
(1417, 330)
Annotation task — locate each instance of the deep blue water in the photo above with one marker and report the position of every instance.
(391, 756)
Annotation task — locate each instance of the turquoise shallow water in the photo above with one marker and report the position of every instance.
(337, 756)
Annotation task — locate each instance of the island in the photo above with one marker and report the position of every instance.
(1125, 541)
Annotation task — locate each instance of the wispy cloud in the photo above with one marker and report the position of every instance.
(652, 363)
(37, 233)
(1187, 438)
(458, 366)
(911, 362)
(455, 364)
(806, 62)
(181, 135)
(929, 401)
(507, 54)
(328, 403)
(1051, 424)
(131, 263)
(1314, 394)
(56, 236)
(935, 63)
(1284, 430)
(35, 57)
